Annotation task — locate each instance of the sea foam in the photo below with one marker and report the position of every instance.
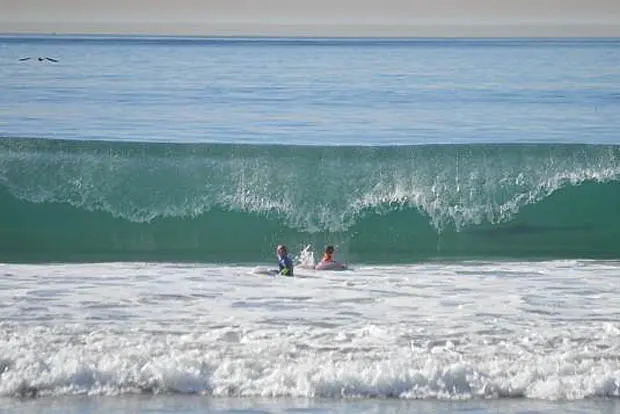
(545, 330)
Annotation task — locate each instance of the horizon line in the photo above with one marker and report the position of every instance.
(325, 30)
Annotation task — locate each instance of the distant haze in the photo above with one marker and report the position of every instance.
(316, 17)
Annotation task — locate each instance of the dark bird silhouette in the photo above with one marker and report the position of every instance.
(40, 59)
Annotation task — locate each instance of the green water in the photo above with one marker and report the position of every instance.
(94, 201)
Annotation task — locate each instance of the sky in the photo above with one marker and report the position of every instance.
(315, 17)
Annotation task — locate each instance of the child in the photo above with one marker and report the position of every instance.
(284, 262)
(328, 262)
(328, 256)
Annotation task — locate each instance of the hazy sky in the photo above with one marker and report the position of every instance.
(322, 17)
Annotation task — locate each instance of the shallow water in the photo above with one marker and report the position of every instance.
(200, 404)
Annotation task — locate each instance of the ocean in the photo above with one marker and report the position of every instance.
(472, 186)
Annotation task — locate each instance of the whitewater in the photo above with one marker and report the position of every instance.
(444, 331)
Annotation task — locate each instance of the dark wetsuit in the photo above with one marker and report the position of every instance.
(286, 266)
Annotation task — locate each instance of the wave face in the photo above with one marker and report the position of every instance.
(92, 200)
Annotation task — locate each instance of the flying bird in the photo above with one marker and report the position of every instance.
(40, 59)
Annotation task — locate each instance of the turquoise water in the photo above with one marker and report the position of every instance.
(471, 185)
(94, 201)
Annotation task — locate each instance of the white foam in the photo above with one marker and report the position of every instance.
(455, 189)
(547, 330)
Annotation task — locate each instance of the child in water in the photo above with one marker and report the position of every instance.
(328, 255)
(284, 262)
(328, 262)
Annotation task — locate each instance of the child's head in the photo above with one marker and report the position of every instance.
(329, 250)
(281, 250)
